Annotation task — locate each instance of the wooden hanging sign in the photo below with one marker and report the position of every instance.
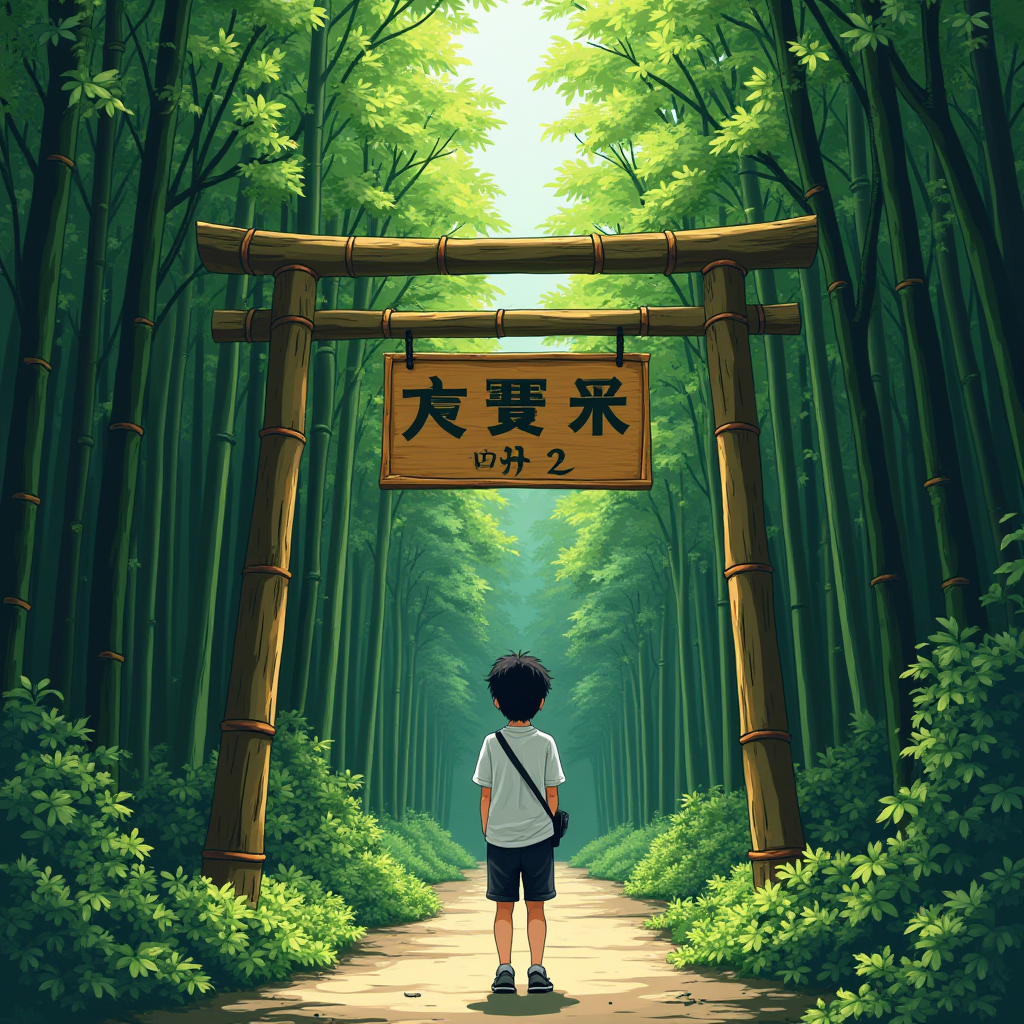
(553, 419)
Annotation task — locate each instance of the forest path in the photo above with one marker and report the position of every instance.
(603, 962)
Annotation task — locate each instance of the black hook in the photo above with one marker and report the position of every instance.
(620, 346)
(408, 350)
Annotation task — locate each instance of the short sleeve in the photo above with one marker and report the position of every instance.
(553, 768)
(483, 776)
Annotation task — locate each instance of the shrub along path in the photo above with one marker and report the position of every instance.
(603, 962)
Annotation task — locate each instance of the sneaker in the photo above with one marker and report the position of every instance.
(539, 980)
(504, 980)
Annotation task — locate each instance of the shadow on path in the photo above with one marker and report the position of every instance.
(522, 1006)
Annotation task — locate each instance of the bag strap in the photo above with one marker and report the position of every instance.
(518, 765)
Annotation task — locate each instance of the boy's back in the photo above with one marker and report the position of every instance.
(516, 817)
(518, 830)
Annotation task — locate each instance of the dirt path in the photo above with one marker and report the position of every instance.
(603, 962)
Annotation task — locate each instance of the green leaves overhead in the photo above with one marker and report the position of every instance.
(103, 90)
(865, 32)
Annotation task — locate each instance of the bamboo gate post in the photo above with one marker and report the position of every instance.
(234, 845)
(775, 830)
(234, 841)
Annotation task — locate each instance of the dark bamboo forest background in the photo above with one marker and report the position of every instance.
(892, 429)
(135, 545)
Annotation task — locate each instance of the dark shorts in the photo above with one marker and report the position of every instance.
(535, 863)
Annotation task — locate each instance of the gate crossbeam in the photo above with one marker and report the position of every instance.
(772, 245)
(351, 324)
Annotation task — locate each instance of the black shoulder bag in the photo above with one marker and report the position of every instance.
(560, 818)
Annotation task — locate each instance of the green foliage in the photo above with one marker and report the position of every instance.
(597, 847)
(925, 919)
(425, 849)
(839, 798)
(315, 828)
(706, 837)
(85, 917)
(618, 860)
(838, 801)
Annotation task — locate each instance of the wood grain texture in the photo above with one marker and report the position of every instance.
(238, 810)
(768, 764)
(229, 325)
(434, 458)
(772, 245)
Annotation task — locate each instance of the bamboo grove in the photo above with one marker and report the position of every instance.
(130, 439)
(889, 429)
(892, 433)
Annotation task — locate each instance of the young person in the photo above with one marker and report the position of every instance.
(515, 825)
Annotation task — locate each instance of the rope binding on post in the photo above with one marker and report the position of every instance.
(620, 346)
(408, 350)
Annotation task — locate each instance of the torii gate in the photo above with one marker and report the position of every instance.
(234, 843)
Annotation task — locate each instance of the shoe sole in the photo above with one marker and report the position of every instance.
(503, 991)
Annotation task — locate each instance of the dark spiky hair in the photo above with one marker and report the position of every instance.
(518, 682)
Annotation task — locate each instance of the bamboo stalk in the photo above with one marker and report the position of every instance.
(234, 841)
(775, 830)
(783, 243)
(352, 324)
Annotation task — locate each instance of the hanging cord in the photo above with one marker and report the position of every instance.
(620, 346)
(408, 350)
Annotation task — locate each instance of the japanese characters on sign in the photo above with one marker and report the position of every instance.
(565, 420)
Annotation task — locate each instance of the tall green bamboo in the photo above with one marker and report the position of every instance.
(120, 469)
(892, 596)
(996, 138)
(782, 430)
(208, 545)
(62, 670)
(164, 633)
(878, 354)
(335, 647)
(837, 501)
(944, 481)
(324, 373)
(832, 635)
(408, 737)
(397, 638)
(375, 642)
(142, 706)
(628, 733)
(996, 295)
(709, 695)
(967, 370)
(636, 673)
(661, 716)
(673, 530)
(37, 274)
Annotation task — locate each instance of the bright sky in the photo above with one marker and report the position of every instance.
(504, 54)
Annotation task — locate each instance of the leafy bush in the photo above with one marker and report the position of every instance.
(673, 857)
(617, 861)
(315, 828)
(425, 849)
(596, 847)
(84, 918)
(926, 920)
(839, 798)
(706, 837)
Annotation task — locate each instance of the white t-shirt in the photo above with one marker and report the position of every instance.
(516, 817)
